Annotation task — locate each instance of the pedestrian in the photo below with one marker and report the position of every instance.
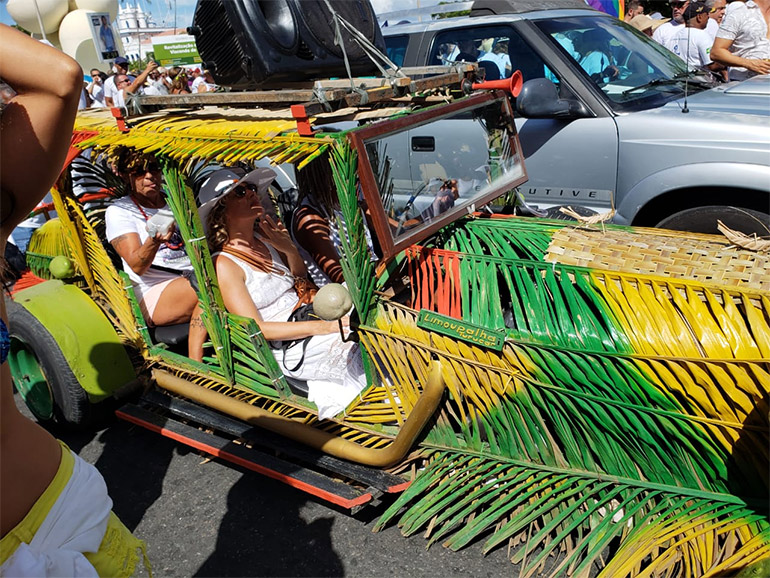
(692, 43)
(204, 82)
(741, 42)
(646, 24)
(119, 66)
(716, 10)
(634, 8)
(665, 33)
(55, 513)
(96, 88)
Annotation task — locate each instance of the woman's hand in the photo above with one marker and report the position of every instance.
(277, 234)
(279, 237)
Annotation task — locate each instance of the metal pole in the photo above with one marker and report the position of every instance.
(39, 20)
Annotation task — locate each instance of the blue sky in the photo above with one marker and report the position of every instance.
(185, 8)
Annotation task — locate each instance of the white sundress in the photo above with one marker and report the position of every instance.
(332, 368)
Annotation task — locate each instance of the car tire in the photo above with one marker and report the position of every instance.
(704, 220)
(42, 375)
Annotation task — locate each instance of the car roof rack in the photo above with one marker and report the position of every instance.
(320, 96)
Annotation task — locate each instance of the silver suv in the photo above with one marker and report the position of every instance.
(608, 117)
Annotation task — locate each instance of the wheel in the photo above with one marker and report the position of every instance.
(42, 375)
(704, 220)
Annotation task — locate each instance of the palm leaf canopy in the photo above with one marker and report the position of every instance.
(623, 428)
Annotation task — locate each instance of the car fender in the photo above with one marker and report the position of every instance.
(689, 176)
(89, 342)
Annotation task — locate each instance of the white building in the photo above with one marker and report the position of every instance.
(137, 27)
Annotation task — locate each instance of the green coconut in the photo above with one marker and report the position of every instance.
(61, 267)
(332, 302)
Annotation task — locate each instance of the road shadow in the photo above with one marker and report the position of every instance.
(134, 463)
(263, 534)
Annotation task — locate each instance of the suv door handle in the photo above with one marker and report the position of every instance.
(423, 144)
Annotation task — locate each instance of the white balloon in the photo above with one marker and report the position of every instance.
(51, 13)
(76, 40)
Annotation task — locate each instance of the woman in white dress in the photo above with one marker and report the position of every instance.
(257, 267)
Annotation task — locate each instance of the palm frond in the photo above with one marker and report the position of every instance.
(572, 520)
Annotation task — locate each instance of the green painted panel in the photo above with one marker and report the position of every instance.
(85, 336)
(475, 334)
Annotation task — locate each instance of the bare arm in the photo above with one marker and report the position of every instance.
(720, 52)
(139, 80)
(312, 231)
(35, 127)
(138, 255)
(235, 295)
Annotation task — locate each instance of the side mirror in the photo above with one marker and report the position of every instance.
(540, 99)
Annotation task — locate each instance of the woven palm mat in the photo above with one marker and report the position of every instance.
(703, 258)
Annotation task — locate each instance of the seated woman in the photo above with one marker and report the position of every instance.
(313, 224)
(257, 267)
(156, 264)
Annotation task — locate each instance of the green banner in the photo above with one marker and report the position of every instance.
(457, 329)
(175, 50)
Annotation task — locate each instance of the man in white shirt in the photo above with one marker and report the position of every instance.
(119, 66)
(716, 10)
(741, 42)
(126, 86)
(692, 43)
(665, 33)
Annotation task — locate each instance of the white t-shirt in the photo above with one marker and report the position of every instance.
(110, 90)
(711, 27)
(693, 46)
(156, 88)
(123, 217)
(666, 32)
(201, 80)
(747, 29)
(97, 94)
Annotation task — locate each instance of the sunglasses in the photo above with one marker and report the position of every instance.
(147, 169)
(240, 190)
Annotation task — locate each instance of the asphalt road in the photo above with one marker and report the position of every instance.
(202, 517)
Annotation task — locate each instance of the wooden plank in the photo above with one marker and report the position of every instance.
(336, 92)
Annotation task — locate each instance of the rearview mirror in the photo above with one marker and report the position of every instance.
(540, 99)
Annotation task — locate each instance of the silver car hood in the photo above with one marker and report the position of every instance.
(751, 97)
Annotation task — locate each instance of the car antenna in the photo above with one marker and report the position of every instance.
(685, 110)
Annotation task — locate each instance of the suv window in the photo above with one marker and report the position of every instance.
(498, 50)
(631, 71)
(396, 49)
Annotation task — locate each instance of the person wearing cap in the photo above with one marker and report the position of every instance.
(692, 43)
(259, 271)
(716, 10)
(646, 24)
(663, 34)
(151, 249)
(119, 66)
(742, 42)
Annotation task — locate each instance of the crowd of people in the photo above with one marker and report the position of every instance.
(107, 90)
(730, 37)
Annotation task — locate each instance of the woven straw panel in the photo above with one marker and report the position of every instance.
(704, 258)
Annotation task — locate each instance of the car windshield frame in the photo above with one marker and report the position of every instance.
(392, 242)
(660, 65)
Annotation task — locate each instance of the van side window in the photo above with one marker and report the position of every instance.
(396, 48)
(499, 50)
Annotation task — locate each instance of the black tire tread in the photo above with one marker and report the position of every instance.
(72, 409)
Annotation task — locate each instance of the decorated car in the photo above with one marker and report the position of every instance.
(595, 395)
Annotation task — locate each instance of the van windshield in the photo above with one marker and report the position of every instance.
(632, 70)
